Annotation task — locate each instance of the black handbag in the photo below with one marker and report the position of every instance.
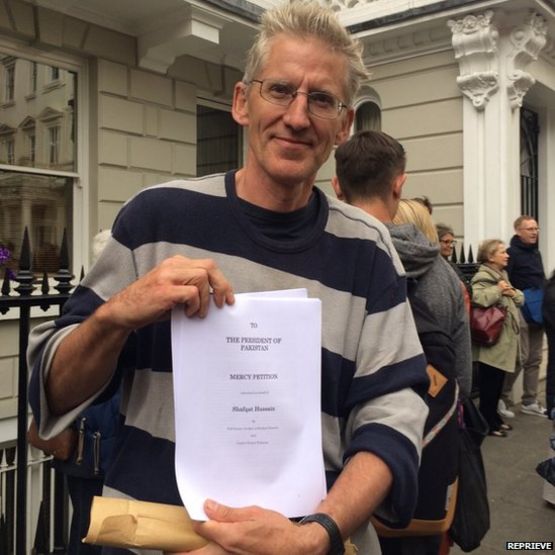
(472, 518)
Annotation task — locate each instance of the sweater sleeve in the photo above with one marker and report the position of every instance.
(113, 271)
(388, 412)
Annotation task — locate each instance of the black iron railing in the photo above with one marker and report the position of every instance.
(13, 531)
(465, 262)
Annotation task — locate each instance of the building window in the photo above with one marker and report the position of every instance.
(32, 134)
(9, 84)
(218, 141)
(31, 142)
(529, 182)
(33, 78)
(10, 151)
(42, 204)
(368, 117)
(54, 145)
(54, 73)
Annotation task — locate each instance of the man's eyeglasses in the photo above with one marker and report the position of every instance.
(320, 104)
(448, 242)
(529, 228)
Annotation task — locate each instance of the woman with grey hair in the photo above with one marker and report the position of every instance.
(491, 286)
(447, 240)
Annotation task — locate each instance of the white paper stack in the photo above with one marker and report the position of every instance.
(247, 390)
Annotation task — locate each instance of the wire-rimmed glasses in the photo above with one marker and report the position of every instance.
(320, 104)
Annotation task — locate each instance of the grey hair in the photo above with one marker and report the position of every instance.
(307, 18)
(487, 248)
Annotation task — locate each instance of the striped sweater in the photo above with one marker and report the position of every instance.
(373, 370)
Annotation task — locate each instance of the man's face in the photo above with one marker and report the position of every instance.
(287, 144)
(528, 232)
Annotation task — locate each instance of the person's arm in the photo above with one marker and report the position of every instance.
(463, 349)
(485, 293)
(86, 358)
(360, 488)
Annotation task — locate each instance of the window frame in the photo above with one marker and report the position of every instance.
(53, 143)
(367, 96)
(226, 107)
(80, 192)
(9, 83)
(33, 79)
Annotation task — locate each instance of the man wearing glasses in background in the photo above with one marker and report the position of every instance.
(526, 271)
(262, 227)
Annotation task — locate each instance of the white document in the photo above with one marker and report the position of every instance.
(247, 387)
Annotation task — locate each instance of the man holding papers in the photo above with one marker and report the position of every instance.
(263, 227)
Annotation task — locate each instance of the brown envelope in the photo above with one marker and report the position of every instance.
(127, 523)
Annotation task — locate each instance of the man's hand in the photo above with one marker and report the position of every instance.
(86, 358)
(176, 280)
(257, 531)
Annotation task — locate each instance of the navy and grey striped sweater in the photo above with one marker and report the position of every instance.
(373, 370)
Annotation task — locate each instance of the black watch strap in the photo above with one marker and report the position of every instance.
(336, 541)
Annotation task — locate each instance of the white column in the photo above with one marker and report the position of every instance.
(493, 49)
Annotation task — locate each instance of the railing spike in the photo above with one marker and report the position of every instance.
(82, 274)
(25, 256)
(64, 253)
(24, 276)
(470, 255)
(63, 276)
(454, 256)
(6, 282)
(462, 259)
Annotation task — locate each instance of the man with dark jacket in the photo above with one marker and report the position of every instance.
(526, 271)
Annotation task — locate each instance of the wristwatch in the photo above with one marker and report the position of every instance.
(336, 541)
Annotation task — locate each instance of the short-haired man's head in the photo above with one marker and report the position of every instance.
(517, 224)
(526, 228)
(487, 249)
(305, 19)
(412, 211)
(367, 164)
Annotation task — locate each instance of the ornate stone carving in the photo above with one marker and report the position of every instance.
(479, 87)
(474, 40)
(527, 41)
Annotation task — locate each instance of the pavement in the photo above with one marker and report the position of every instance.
(517, 509)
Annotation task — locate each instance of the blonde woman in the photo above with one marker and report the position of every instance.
(415, 239)
(491, 286)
